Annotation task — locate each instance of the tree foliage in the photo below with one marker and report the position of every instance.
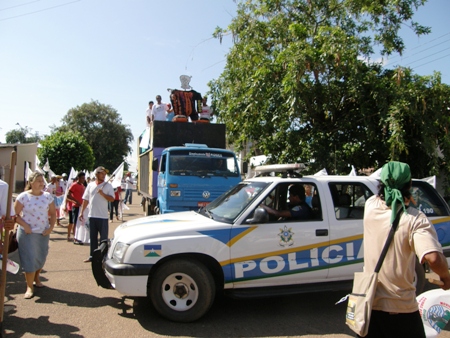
(103, 130)
(65, 150)
(22, 135)
(299, 85)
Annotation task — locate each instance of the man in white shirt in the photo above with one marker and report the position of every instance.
(97, 195)
(207, 112)
(159, 110)
(148, 113)
(63, 182)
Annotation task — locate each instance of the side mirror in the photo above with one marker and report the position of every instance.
(259, 216)
(244, 167)
(155, 164)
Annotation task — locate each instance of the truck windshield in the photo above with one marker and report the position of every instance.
(231, 204)
(202, 163)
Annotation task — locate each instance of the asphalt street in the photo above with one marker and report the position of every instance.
(72, 305)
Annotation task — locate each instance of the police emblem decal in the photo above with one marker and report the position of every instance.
(286, 237)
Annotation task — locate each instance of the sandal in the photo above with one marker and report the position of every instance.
(28, 295)
(38, 285)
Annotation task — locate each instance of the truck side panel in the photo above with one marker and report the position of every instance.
(167, 134)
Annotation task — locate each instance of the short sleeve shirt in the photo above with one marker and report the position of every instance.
(35, 210)
(415, 236)
(159, 111)
(77, 191)
(98, 205)
(301, 211)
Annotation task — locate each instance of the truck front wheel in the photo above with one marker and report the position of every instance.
(182, 290)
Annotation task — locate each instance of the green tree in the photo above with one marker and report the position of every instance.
(299, 84)
(65, 150)
(22, 135)
(102, 128)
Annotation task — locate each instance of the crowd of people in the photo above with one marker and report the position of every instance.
(185, 105)
(41, 206)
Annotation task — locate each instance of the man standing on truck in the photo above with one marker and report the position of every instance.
(97, 195)
(148, 113)
(159, 110)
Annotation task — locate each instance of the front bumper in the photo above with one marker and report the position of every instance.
(127, 279)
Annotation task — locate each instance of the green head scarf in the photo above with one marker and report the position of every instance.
(394, 176)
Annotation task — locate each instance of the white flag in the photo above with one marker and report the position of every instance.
(145, 141)
(353, 172)
(50, 173)
(117, 176)
(322, 172)
(27, 170)
(37, 161)
(46, 166)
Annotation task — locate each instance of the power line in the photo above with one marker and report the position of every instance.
(428, 56)
(425, 50)
(420, 46)
(27, 3)
(41, 10)
(423, 64)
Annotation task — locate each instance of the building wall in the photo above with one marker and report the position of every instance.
(25, 153)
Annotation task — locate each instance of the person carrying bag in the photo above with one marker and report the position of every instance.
(365, 283)
(383, 302)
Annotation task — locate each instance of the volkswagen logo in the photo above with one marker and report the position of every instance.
(206, 194)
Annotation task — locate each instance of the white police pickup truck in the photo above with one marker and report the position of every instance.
(181, 260)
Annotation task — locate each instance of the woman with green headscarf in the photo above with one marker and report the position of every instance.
(395, 311)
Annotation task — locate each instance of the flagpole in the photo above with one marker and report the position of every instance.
(6, 237)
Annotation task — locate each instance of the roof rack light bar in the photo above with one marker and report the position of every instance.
(280, 167)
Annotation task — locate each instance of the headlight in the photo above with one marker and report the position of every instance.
(119, 251)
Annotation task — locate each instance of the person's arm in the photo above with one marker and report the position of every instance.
(18, 207)
(271, 211)
(52, 212)
(109, 198)
(438, 264)
(83, 207)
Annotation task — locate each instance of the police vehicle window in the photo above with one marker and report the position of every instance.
(349, 199)
(230, 205)
(279, 199)
(428, 200)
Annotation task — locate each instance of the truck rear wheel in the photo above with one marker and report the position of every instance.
(182, 290)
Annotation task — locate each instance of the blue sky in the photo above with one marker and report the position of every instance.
(58, 54)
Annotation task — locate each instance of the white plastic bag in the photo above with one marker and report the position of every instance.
(434, 307)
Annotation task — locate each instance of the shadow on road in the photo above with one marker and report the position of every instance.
(283, 316)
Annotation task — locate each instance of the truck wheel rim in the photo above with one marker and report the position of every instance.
(179, 291)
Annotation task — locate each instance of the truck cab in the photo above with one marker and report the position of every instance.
(192, 176)
(184, 167)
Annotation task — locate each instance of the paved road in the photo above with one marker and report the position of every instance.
(72, 305)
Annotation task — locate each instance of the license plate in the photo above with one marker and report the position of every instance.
(202, 204)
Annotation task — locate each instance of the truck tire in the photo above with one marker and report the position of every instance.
(419, 278)
(182, 290)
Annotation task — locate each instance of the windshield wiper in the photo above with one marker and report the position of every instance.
(204, 211)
